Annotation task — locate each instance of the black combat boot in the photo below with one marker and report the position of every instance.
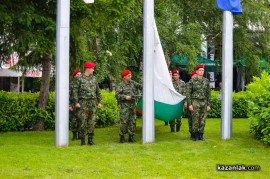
(83, 140)
(74, 136)
(191, 135)
(90, 139)
(122, 139)
(172, 129)
(201, 136)
(196, 136)
(177, 128)
(131, 138)
(79, 136)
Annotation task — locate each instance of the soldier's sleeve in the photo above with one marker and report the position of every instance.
(71, 93)
(139, 87)
(75, 90)
(119, 94)
(98, 93)
(188, 93)
(208, 95)
(185, 90)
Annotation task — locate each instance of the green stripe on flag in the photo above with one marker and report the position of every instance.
(165, 112)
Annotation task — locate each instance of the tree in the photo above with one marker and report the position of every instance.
(28, 28)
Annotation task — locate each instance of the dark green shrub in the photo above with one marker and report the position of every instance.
(240, 105)
(258, 94)
(19, 112)
(215, 111)
(239, 109)
(109, 113)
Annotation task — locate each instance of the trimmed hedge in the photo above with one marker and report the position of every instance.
(240, 106)
(19, 112)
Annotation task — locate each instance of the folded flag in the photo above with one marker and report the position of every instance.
(233, 6)
(168, 103)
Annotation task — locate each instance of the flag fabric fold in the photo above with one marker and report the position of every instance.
(168, 102)
(233, 6)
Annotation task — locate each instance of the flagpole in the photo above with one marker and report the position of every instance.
(227, 75)
(148, 66)
(62, 73)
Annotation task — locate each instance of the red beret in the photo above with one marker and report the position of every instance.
(199, 66)
(89, 65)
(192, 73)
(76, 72)
(125, 73)
(175, 71)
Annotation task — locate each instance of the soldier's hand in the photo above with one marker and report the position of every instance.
(99, 105)
(128, 98)
(208, 108)
(191, 108)
(77, 105)
(70, 108)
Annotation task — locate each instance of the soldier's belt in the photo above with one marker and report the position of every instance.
(198, 99)
(89, 98)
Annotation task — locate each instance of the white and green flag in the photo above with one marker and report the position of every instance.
(168, 102)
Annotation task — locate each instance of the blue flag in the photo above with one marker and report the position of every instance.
(230, 5)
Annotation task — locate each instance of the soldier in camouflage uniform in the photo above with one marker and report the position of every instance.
(192, 75)
(72, 109)
(127, 94)
(87, 95)
(170, 72)
(180, 87)
(198, 102)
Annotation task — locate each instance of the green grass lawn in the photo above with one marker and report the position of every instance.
(172, 155)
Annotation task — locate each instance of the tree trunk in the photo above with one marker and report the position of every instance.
(44, 89)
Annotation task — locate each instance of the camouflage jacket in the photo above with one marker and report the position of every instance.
(180, 87)
(198, 89)
(71, 92)
(131, 88)
(86, 87)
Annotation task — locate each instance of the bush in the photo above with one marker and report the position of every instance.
(258, 94)
(215, 111)
(239, 105)
(109, 113)
(19, 112)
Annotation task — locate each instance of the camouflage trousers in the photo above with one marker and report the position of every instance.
(198, 116)
(189, 121)
(87, 116)
(74, 121)
(177, 122)
(127, 118)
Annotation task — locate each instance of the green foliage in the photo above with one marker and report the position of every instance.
(109, 113)
(258, 93)
(19, 112)
(240, 106)
(239, 109)
(215, 105)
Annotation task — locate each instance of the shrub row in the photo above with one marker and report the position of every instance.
(19, 112)
(240, 106)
